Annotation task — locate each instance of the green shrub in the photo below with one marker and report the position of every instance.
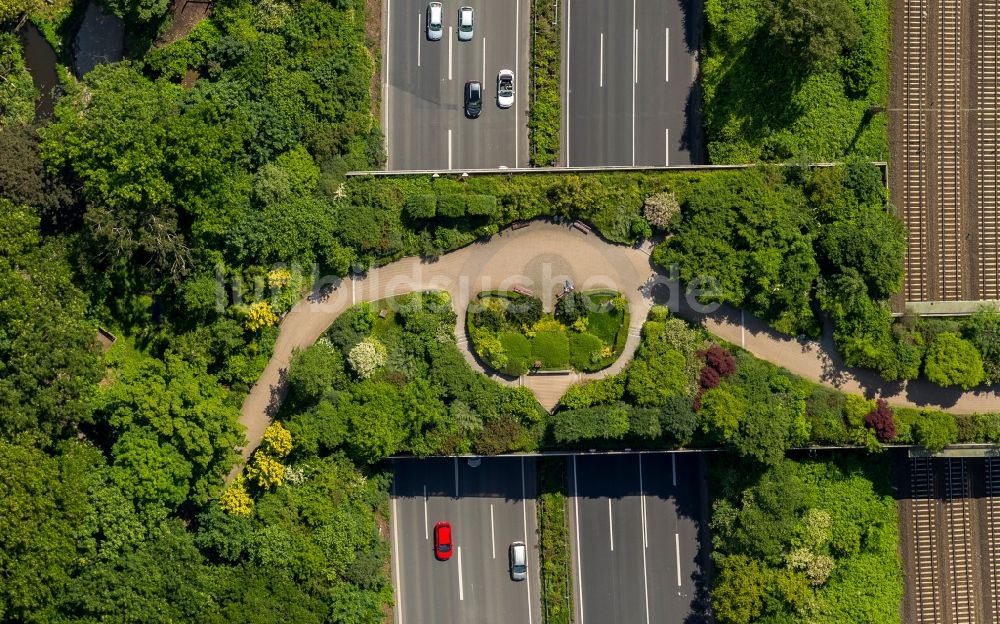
(451, 205)
(935, 430)
(585, 351)
(551, 348)
(953, 361)
(644, 422)
(481, 205)
(421, 206)
(609, 422)
(607, 390)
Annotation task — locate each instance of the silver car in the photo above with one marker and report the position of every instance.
(518, 561)
(465, 24)
(434, 28)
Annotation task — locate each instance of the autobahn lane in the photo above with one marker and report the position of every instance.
(599, 83)
(426, 589)
(667, 43)
(418, 89)
(425, 123)
(671, 484)
(630, 89)
(494, 513)
(609, 532)
(494, 506)
(494, 138)
(637, 532)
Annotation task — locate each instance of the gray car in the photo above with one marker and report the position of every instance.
(518, 561)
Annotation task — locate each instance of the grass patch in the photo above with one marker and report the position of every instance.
(582, 350)
(544, 113)
(758, 109)
(554, 540)
(551, 348)
(518, 350)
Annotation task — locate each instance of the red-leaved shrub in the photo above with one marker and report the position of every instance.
(880, 419)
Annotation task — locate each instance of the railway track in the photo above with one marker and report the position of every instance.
(925, 560)
(992, 504)
(957, 504)
(988, 165)
(914, 164)
(949, 140)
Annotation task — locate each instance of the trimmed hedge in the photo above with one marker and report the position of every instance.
(421, 206)
(601, 422)
(451, 206)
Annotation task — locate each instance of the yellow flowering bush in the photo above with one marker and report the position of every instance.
(279, 278)
(236, 501)
(260, 315)
(277, 440)
(266, 471)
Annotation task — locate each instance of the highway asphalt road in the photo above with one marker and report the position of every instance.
(423, 98)
(629, 83)
(494, 506)
(636, 524)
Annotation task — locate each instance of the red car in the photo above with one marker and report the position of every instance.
(442, 541)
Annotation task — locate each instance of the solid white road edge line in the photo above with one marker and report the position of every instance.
(484, 61)
(524, 518)
(451, 40)
(611, 527)
(569, 40)
(419, 35)
(666, 56)
(461, 590)
(517, 76)
(395, 556)
(645, 542)
(576, 510)
(493, 536)
(677, 549)
(449, 167)
(635, 48)
(385, 87)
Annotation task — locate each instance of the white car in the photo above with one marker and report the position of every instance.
(434, 28)
(465, 24)
(505, 88)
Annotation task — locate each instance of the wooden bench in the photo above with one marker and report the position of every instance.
(517, 225)
(384, 312)
(560, 294)
(583, 227)
(521, 290)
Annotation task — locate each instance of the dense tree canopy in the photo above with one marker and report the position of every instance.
(49, 363)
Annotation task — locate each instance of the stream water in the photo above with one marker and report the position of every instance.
(40, 59)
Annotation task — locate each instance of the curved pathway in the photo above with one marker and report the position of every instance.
(541, 257)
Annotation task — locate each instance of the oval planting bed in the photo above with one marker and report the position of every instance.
(512, 334)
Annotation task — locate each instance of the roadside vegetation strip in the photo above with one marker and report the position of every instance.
(544, 115)
(786, 77)
(554, 541)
